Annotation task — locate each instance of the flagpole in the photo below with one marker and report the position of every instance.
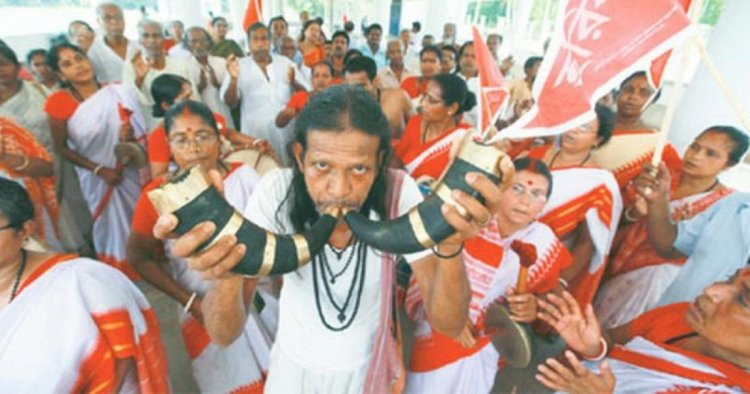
(666, 124)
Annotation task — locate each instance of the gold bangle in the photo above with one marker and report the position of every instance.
(97, 168)
(23, 165)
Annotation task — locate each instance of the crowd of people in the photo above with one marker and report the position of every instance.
(639, 281)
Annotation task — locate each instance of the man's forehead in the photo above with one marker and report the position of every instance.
(350, 141)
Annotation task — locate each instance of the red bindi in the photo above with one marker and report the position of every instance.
(189, 129)
(530, 183)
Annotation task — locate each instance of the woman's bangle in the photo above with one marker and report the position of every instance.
(97, 168)
(601, 355)
(24, 164)
(628, 217)
(449, 256)
(190, 302)
(563, 282)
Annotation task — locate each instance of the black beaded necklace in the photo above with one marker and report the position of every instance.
(359, 249)
(17, 282)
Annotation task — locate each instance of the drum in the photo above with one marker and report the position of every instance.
(511, 339)
(261, 162)
(131, 154)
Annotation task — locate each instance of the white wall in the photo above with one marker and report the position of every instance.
(703, 104)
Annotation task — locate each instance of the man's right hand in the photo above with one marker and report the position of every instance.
(580, 332)
(140, 67)
(214, 262)
(233, 66)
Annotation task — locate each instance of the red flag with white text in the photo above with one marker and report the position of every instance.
(492, 88)
(597, 44)
(656, 71)
(253, 13)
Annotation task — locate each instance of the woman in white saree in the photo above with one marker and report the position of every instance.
(87, 121)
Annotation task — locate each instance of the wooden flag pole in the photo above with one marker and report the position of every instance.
(666, 123)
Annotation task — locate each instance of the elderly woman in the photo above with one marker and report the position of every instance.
(88, 120)
(194, 140)
(425, 146)
(69, 324)
(703, 346)
(585, 207)
(638, 274)
(468, 364)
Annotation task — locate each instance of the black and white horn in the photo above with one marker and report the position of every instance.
(191, 197)
(425, 226)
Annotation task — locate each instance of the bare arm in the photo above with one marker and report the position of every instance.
(233, 68)
(140, 254)
(225, 308)
(445, 289)
(59, 130)
(285, 116)
(33, 167)
(231, 97)
(159, 169)
(582, 250)
(655, 190)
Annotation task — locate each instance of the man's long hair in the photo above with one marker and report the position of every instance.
(338, 109)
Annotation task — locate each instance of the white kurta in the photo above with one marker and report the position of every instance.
(107, 64)
(146, 101)
(262, 96)
(308, 357)
(210, 95)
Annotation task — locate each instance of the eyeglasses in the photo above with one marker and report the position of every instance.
(536, 196)
(200, 140)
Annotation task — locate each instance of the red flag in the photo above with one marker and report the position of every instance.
(492, 88)
(656, 71)
(596, 45)
(253, 13)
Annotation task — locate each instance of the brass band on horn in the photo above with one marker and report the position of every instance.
(425, 226)
(191, 197)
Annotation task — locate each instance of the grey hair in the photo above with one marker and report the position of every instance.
(149, 22)
(186, 36)
(398, 40)
(101, 6)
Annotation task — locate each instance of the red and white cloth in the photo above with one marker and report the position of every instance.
(439, 364)
(71, 320)
(639, 275)
(587, 196)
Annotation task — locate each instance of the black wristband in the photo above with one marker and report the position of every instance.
(450, 256)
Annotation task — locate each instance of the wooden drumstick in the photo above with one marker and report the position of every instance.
(526, 257)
